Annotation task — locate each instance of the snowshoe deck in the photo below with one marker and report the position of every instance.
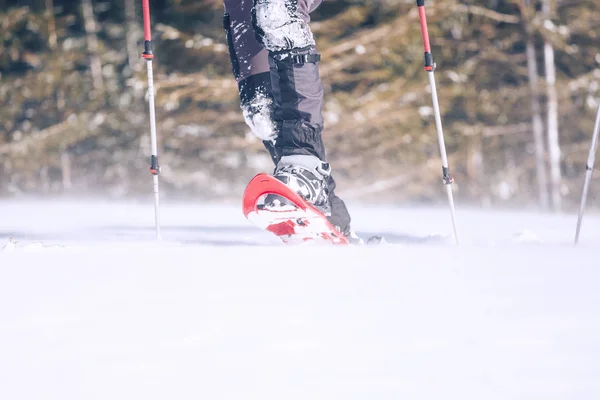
(296, 222)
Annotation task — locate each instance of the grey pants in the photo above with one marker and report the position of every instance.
(281, 98)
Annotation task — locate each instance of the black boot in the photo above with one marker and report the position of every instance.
(311, 179)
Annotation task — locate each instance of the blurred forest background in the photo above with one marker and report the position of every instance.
(518, 82)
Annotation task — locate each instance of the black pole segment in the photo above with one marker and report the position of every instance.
(448, 180)
(429, 65)
(154, 167)
(147, 54)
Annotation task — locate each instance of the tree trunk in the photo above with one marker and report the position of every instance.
(65, 165)
(552, 122)
(132, 34)
(52, 41)
(538, 128)
(92, 43)
(475, 166)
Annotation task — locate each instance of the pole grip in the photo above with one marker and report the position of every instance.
(147, 54)
(429, 64)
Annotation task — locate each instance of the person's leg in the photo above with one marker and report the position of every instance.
(282, 26)
(298, 98)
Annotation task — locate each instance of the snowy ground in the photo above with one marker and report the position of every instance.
(219, 310)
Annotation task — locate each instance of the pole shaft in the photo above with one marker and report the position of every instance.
(452, 211)
(589, 168)
(153, 141)
(154, 166)
(438, 119)
(151, 107)
(430, 67)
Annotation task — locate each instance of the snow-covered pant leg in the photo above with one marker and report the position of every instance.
(282, 27)
(250, 67)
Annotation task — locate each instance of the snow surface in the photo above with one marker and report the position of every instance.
(92, 307)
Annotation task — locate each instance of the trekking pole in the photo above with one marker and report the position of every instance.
(430, 67)
(589, 167)
(148, 56)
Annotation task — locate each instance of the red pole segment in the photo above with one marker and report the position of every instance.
(424, 31)
(146, 12)
(147, 54)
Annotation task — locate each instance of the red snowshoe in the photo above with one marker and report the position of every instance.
(293, 220)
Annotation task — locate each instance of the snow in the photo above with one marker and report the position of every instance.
(92, 307)
(257, 115)
(281, 30)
